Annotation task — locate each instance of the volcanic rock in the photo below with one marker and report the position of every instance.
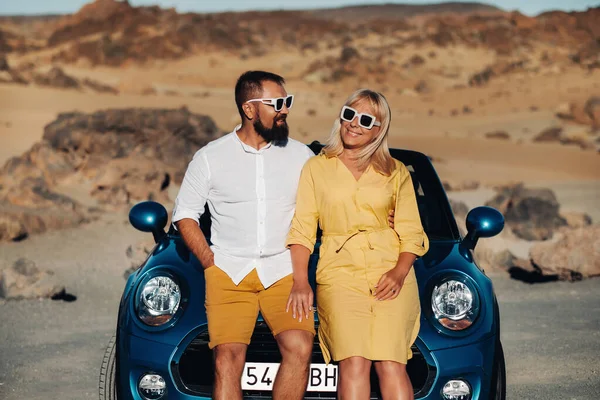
(532, 214)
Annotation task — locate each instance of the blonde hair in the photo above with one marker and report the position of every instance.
(376, 153)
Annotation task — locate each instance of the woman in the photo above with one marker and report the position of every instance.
(368, 302)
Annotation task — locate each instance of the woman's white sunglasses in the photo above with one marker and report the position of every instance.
(278, 102)
(366, 121)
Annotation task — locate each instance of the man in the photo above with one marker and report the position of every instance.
(249, 179)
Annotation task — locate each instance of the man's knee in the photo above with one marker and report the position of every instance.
(296, 343)
(230, 357)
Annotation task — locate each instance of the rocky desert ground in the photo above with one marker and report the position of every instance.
(104, 108)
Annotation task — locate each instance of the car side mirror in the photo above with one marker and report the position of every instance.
(482, 222)
(149, 216)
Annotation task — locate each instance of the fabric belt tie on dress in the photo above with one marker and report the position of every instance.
(358, 232)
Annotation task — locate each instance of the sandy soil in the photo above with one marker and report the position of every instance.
(24, 111)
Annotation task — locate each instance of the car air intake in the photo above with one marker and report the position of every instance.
(194, 372)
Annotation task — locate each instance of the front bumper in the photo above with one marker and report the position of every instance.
(138, 356)
(472, 363)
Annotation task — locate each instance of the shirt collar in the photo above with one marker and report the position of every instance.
(245, 147)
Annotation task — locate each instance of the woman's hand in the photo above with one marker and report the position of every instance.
(300, 301)
(390, 284)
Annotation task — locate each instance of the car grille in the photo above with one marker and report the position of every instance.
(194, 374)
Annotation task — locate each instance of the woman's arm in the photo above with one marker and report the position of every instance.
(301, 296)
(407, 221)
(413, 240)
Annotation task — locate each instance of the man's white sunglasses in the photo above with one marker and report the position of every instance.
(366, 121)
(278, 102)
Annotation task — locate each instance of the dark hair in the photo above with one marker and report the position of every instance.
(249, 86)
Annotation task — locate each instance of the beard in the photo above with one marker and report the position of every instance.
(277, 135)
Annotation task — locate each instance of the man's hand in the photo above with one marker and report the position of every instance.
(390, 284)
(207, 266)
(391, 218)
(300, 301)
(208, 259)
(196, 242)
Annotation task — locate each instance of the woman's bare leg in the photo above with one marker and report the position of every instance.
(394, 382)
(355, 382)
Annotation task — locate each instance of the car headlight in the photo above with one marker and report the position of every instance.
(158, 300)
(455, 304)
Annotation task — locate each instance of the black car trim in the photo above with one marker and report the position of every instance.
(264, 346)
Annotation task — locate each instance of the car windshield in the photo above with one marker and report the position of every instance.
(434, 209)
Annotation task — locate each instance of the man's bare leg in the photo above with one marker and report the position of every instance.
(229, 365)
(292, 378)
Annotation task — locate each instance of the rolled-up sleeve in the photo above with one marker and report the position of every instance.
(304, 224)
(407, 222)
(193, 193)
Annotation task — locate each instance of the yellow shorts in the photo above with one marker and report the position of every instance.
(231, 310)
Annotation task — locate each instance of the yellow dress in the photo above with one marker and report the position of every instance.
(357, 248)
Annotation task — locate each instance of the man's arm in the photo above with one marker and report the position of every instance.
(189, 206)
(195, 241)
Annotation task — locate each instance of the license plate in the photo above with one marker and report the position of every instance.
(261, 376)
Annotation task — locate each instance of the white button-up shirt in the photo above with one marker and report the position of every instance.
(251, 195)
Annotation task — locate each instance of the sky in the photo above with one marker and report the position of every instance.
(20, 7)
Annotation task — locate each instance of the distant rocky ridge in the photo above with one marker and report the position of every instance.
(11, 41)
(55, 77)
(122, 155)
(391, 11)
(110, 32)
(5, 38)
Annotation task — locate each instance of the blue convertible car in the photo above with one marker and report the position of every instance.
(160, 350)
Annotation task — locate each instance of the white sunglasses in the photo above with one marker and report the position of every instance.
(278, 102)
(366, 121)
